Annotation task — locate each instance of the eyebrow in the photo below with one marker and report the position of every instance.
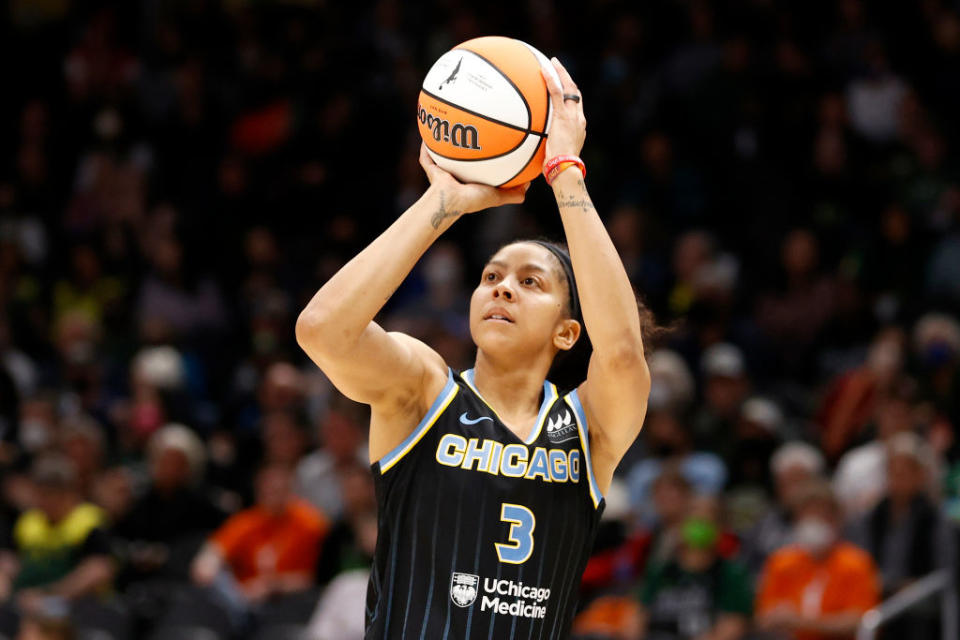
(527, 267)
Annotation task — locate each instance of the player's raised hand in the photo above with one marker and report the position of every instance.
(459, 197)
(569, 127)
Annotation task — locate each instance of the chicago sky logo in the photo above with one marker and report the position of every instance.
(463, 588)
(561, 428)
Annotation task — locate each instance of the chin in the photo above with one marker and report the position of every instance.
(496, 340)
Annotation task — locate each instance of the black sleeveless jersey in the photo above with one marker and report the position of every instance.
(483, 536)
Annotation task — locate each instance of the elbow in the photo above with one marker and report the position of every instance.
(313, 331)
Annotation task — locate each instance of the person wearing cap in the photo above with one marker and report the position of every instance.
(695, 593)
(725, 388)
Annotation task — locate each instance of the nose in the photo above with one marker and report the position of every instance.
(503, 290)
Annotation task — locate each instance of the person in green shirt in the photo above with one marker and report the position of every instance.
(695, 594)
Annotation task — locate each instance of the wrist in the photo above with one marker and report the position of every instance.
(567, 180)
(441, 206)
(559, 164)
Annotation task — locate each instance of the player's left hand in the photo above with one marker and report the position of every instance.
(569, 127)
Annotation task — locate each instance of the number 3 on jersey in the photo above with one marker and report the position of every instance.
(519, 545)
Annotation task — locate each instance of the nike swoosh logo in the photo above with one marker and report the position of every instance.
(465, 420)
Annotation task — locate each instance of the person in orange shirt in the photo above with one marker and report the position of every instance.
(267, 550)
(819, 587)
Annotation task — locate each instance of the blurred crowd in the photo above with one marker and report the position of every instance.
(179, 177)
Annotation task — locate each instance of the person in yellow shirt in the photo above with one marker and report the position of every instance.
(818, 587)
(60, 547)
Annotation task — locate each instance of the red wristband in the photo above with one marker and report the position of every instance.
(555, 166)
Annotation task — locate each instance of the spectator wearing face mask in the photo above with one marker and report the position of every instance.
(794, 465)
(695, 593)
(818, 587)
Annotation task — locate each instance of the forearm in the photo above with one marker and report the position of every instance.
(292, 582)
(341, 310)
(606, 297)
(90, 575)
(838, 624)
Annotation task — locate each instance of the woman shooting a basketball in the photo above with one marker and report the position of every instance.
(489, 482)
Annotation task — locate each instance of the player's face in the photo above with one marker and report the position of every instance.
(521, 305)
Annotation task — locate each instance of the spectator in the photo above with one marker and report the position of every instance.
(340, 612)
(795, 465)
(906, 532)
(819, 587)
(695, 593)
(850, 399)
(726, 386)
(670, 441)
(861, 476)
(82, 441)
(269, 550)
(284, 439)
(60, 547)
(318, 475)
(166, 525)
(343, 549)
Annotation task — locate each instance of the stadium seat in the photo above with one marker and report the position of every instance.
(184, 633)
(194, 608)
(97, 619)
(280, 632)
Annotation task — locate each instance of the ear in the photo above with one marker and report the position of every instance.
(567, 333)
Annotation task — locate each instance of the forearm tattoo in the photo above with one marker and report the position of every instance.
(579, 200)
(442, 213)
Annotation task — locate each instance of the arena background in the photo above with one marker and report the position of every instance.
(178, 178)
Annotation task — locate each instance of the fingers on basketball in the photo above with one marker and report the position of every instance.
(569, 86)
(554, 89)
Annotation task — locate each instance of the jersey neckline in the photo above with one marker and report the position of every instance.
(550, 396)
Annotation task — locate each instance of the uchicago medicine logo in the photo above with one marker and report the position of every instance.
(463, 588)
(500, 596)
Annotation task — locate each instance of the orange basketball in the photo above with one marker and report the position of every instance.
(484, 111)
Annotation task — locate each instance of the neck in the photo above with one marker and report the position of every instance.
(514, 392)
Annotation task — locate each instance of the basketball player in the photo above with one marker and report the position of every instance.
(489, 482)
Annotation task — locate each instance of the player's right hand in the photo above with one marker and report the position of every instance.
(462, 197)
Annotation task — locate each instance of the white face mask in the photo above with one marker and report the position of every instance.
(814, 535)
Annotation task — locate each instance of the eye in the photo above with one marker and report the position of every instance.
(490, 276)
(531, 282)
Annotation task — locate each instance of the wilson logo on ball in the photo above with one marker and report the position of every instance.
(459, 135)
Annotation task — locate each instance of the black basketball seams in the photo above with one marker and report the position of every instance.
(526, 105)
(525, 164)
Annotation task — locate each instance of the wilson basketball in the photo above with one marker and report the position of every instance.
(484, 111)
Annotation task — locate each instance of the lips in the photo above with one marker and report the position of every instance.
(498, 314)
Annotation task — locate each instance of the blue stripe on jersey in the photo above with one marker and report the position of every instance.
(436, 409)
(549, 397)
(574, 401)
